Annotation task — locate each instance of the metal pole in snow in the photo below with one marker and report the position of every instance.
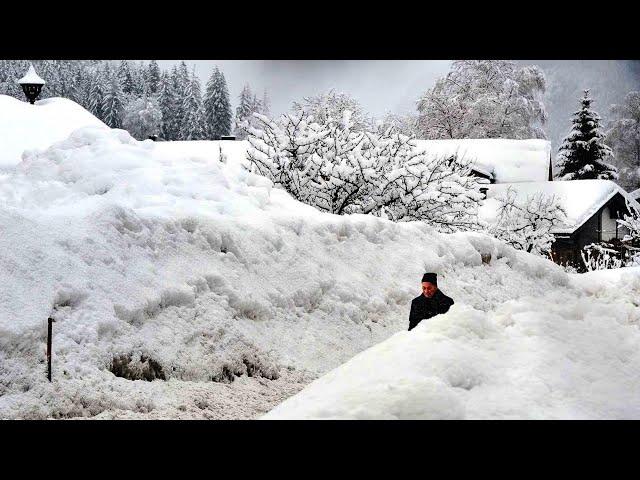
(49, 331)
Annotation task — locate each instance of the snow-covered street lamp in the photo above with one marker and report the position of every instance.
(31, 84)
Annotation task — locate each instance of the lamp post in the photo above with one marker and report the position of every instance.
(31, 84)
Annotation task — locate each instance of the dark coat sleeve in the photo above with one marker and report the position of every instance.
(444, 304)
(414, 315)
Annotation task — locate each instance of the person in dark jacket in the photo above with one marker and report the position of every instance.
(431, 303)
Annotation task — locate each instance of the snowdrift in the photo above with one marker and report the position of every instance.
(167, 261)
(24, 126)
(532, 358)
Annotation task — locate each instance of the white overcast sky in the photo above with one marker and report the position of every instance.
(379, 85)
(395, 85)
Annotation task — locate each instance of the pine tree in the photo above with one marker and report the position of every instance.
(113, 104)
(583, 155)
(166, 102)
(192, 125)
(244, 110)
(266, 104)
(125, 77)
(97, 92)
(153, 76)
(217, 108)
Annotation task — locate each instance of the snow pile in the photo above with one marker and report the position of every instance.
(167, 261)
(570, 355)
(24, 126)
(580, 198)
(504, 159)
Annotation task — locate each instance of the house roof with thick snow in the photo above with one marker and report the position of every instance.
(31, 77)
(581, 199)
(635, 194)
(504, 160)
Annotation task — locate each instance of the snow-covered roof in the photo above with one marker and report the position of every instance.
(505, 160)
(25, 127)
(635, 194)
(31, 77)
(581, 199)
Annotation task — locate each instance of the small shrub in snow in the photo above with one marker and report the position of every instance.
(601, 257)
(343, 170)
(527, 225)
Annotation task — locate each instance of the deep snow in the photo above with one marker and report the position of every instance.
(170, 254)
(567, 355)
(24, 126)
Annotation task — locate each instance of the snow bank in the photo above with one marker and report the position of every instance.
(170, 255)
(506, 160)
(24, 126)
(563, 356)
(580, 198)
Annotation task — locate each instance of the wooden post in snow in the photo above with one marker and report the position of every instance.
(49, 334)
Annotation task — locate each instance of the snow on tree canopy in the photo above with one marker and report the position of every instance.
(31, 77)
(504, 159)
(26, 127)
(580, 198)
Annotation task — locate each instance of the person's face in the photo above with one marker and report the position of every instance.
(428, 289)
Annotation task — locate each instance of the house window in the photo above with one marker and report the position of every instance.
(608, 225)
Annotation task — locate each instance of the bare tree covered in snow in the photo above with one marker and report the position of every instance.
(340, 169)
(330, 106)
(632, 239)
(526, 225)
(485, 99)
(142, 117)
(624, 137)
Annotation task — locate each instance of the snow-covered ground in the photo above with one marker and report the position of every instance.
(167, 260)
(573, 353)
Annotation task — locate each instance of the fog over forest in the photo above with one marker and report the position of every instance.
(394, 85)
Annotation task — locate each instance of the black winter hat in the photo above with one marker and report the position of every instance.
(431, 278)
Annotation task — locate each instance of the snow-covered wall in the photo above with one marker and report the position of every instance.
(24, 126)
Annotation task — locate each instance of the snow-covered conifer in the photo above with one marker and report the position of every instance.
(217, 108)
(583, 154)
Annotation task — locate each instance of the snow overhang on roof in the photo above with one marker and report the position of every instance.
(504, 160)
(31, 77)
(581, 199)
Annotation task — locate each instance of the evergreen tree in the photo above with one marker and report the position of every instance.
(266, 104)
(166, 103)
(113, 104)
(244, 110)
(217, 108)
(192, 125)
(153, 76)
(125, 77)
(97, 92)
(583, 155)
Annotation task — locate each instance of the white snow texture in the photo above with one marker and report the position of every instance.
(170, 258)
